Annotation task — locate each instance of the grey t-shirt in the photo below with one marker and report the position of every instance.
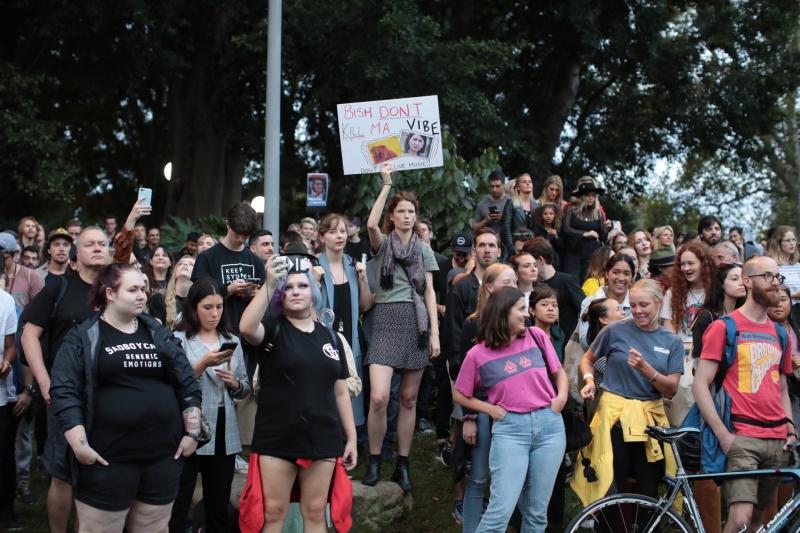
(662, 349)
(482, 209)
(401, 291)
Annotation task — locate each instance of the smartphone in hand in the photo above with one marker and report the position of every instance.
(148, 196)
(227, 346)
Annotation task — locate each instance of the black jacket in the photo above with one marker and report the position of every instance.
(73, 381)
(461, 302)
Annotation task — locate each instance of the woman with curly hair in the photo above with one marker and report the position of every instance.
(683, 301)
(166, 306)
(641, 241)
(406, 330)
(782, 247)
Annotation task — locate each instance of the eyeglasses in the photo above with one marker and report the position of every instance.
(769, 277)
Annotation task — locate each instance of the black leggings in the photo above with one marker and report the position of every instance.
(217, 472)
(630, 461)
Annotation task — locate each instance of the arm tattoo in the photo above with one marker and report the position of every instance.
(82, 440)
(191, 419)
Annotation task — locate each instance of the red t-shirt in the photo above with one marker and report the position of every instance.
(753, 380)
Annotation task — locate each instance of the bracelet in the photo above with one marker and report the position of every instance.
(654, 376)
(469, 417)
(587, 375)
(389, 184)
(791, 435)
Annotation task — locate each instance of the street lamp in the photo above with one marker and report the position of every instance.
(258, 204)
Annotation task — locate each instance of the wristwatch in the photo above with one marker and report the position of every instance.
(28, 389)
(195, 436)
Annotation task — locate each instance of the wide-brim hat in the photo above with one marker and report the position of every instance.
(662, 257)
(583, 188)
(298, 258)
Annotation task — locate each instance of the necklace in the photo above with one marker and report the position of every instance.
(693, 299)
(135, 322)
(299, 317)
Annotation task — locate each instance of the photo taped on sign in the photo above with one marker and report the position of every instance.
(232, 272)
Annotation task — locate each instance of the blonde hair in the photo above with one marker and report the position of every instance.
(204, 235)
(657, 235)
(651, 287)
(774, 246)
(169, 294)
(489, 275)
(580, 203)
(511, 188)
(554, 179)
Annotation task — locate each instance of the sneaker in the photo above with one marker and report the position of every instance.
(442, 452)
(26, 495)
(458, 511)
(424, 427)
(9, 518)
(241, 465)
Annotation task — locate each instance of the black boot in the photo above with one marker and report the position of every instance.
(401, 475)
(373, 473)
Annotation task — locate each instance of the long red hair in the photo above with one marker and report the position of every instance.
(680, 285)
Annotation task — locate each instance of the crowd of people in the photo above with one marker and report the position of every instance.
(134, 367)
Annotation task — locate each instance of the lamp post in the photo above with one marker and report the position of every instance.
(272, 137)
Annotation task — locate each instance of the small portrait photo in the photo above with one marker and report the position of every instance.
(383, 150)
(317, 191)
(416, 144)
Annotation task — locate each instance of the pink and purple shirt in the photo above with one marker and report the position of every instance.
(515, 376)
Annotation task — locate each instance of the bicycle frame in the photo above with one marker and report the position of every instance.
(680, 484)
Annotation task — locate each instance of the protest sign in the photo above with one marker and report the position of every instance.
(317, 190)
(405, 132)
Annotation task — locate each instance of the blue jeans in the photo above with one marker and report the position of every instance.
(527, 451)
(478, 474)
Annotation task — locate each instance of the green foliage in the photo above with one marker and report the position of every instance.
(34, 168)
(214, 226)
(447, 195)
(174, 232)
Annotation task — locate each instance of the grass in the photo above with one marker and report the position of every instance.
(34, 517)
(433, 495)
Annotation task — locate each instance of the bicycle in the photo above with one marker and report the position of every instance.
(634, 513)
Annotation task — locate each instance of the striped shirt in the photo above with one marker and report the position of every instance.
(792, 273)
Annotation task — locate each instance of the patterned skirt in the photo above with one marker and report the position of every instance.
(395, 337)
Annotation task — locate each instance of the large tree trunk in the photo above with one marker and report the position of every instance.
(202, 195)
(232, 188)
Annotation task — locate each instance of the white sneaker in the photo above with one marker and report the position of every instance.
(241, 465)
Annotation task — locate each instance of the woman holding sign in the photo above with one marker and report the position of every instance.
(406, 330)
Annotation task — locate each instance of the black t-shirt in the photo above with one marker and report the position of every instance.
(356, 250)
(73, 309)
(440, 286)
(297, 417)
(343, 311)
(158, 307)
(137, 415)
(226, 266)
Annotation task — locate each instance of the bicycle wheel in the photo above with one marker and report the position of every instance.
(626, 513)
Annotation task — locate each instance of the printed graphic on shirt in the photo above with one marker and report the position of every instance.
(759, 357)
(688, 319)
(330, 351)
(495, 371)
(231, 273)
(136, 354)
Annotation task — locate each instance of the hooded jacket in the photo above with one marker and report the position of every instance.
(73, 380)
